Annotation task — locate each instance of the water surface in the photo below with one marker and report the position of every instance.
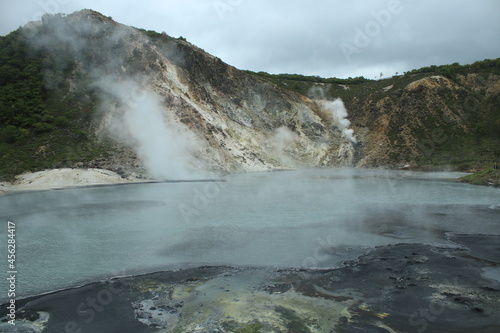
(308, 218)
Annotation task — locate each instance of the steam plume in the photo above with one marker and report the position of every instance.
(165, 146)
(339, 114)
(106, 55)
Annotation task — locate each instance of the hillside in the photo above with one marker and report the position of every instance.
(438, 116)
(85, 91)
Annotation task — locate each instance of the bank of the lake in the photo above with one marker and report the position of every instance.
(62, 178)
(489, 177)
(397, 288)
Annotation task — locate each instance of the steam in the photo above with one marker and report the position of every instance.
(136, 117)
(337, 110)
(284, 137)
(284, 141)
(339, 114)
(129, 110)
(317, 93)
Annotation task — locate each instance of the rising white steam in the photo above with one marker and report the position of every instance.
(339, 114)
(136, 117)
(284, 137)
(130, 111)
(284, 142)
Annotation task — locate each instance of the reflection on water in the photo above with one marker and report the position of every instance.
(313, 218)
(492, 273)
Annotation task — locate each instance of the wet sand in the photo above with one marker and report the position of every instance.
(398, 288)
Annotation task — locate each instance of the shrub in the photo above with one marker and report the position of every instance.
(42, 127)
(12, 134)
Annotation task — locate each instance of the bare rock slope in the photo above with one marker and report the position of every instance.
(181, 110)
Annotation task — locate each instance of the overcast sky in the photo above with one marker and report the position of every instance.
(329, 38)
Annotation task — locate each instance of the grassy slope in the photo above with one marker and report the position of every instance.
(490, 176)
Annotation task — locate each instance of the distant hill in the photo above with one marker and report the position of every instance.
(82, 90)
(435, 116)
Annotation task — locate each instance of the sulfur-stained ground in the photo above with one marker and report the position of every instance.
(399, 288)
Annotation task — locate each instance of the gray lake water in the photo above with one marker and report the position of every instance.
(307, 218)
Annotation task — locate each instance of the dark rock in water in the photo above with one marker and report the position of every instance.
(29, 315)
(398, 288)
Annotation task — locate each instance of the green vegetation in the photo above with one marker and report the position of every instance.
(458, 148)
(43, 124)
(250, 328)
(293, 322)
(22, 90)
(490, 177)
(304, 78)
(301, 83)
(159, 36)
(492, 65)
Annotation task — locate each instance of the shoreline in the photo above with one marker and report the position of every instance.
(68, 178)
(52, 179)
(457, 293)
(73, 178)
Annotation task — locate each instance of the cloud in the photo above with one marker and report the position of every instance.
(418, 36)
(303, 37)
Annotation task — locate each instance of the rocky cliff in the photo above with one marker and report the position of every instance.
(446, 116)
(432, 120)
(181, 110)
(137, 101)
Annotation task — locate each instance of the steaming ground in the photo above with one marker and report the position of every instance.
(136, 117)
(158, 99)
(130, 109)
(339, 114)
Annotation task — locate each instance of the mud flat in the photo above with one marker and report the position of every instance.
(398, 288)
